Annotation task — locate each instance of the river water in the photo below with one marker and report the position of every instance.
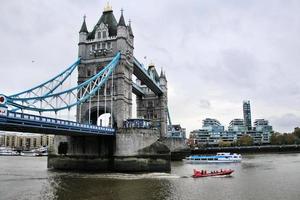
(258, 177)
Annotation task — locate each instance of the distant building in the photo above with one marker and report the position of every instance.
(212, 125)
(212, 132)
(26, 142)
(237, 125)
(247, 115)
(262, 127)
(176, 131)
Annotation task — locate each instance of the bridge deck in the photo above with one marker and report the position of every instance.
(21, 122)
(141, 73)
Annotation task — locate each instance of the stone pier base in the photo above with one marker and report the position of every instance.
(138, 150)
(178, 147)
(131, 150)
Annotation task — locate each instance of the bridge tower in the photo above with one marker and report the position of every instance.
(96, 49)
(132, 149)
(154, 107)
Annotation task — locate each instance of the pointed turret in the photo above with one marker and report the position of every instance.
(130, 29)
(161, 73)
(83, 27)
(109, 20)
(121, 20)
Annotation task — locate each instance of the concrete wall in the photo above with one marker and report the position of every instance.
(130, 141)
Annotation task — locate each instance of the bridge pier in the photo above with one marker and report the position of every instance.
(131, 150)
(139, 150)
(90, 153)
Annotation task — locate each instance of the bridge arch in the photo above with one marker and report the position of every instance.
(97, 112)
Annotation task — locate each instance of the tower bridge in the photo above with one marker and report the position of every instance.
(106, 66)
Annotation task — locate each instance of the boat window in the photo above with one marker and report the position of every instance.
(235, 156)
(215, 158)
(210, 158)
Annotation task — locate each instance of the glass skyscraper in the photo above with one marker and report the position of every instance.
(247, 115)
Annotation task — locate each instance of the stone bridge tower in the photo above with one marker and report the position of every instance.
(96, 49)
(131, 149)
(153, 107)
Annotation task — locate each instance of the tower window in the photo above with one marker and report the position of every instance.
(99, 35)
(98, 45)
(104, 34)
(103, 45)
(109, 45)
(89, 73)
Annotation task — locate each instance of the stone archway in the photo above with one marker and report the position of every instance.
(95, 114)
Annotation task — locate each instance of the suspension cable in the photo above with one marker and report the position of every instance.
(90, 110)
(105, 97)
(111, 103)
(90, 106)
(79, 120)
(98, 107)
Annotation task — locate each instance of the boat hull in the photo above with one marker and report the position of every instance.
(197, 174)
(210, 161)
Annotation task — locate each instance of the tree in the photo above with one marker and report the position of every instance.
(297, 132)
(245, 140)
(290, 138)
(273, 138)
(224, 144)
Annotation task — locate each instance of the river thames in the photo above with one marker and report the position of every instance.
(258, 177)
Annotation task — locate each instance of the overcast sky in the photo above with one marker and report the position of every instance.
(216, 53)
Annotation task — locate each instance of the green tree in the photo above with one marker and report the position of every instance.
(273, 138)
(290, 138)
(224, 144)
(245, 140)
(281, 139)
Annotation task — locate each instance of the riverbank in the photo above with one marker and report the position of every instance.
(249, 149)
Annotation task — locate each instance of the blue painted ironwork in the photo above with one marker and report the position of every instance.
(55, 81)
(78, 94)
(22, 121)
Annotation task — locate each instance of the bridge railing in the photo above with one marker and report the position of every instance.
(56, 122)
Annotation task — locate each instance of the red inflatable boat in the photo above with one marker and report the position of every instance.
(204, 173)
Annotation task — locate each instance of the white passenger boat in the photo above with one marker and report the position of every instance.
(219, 158)
(7, 152)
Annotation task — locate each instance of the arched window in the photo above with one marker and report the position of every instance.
(104, 34)
(99, 35)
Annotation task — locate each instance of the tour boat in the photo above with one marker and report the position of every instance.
(219, 158)
(7, 152)
(43, 151)
(204, 173)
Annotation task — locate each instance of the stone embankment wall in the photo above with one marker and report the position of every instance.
(249, 149)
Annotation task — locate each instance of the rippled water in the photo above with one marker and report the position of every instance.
(258, 177)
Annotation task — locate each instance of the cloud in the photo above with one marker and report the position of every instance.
(286, 122)
(215, 53)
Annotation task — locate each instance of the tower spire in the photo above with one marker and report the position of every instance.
(129, 28)
(121, 20)
(83, 26)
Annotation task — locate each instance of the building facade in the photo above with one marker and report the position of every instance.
(26, 142)
(247, 115)
(213, 133)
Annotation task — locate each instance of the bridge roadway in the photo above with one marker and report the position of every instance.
(140, 72)
(21, 122)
